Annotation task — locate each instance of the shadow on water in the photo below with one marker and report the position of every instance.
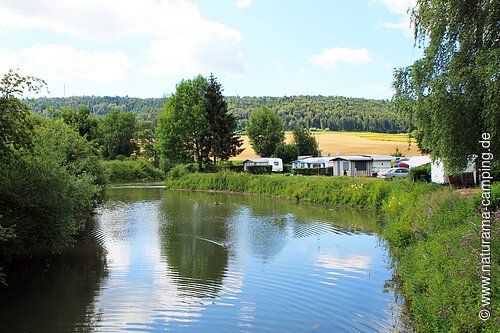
(53, 293)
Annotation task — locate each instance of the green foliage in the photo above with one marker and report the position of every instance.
(144, 108)
(116, 133)
(265, 130)
(196, 125)
(221, 143)
(328, 171)
(131, 171)
(14, 127)
(48, 194)
(305, 141)
(259, 169)
(452, 95)
(359, 192)
(323, 112)
(422, 173)
(183, 126)
(81, 121)
(434, 236)
(181, 170)
(287, 152)
(50, 180)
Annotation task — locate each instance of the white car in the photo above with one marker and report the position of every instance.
(393, 173)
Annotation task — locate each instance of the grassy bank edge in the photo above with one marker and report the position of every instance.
(432, 231)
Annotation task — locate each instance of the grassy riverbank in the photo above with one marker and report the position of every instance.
(432, 231)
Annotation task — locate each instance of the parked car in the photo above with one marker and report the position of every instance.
(393, 173)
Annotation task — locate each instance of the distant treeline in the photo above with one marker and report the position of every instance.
(322, 112)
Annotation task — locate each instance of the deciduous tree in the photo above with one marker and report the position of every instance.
(265, 131)
(305, 141)
(183, 126)
(117, 130)
(452, 95)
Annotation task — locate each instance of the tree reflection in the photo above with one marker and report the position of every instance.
(195, 240)
(53, 293)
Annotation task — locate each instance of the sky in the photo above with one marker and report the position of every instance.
(254, 47)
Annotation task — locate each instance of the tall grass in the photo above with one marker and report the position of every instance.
(432, 232)
(361, 192)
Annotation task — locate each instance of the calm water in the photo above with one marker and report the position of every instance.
(158, 260)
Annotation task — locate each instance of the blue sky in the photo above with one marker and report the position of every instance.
(254, 47)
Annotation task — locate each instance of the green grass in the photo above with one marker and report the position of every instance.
(432, 232)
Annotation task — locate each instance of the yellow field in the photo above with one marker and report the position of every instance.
(350, 143)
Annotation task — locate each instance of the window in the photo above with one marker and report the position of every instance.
(345, 165)
(276, 163)
(360, 165)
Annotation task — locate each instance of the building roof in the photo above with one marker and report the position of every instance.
(262, 159)
(314, 160)
(416, 161)
(380, 157)
(352, 158)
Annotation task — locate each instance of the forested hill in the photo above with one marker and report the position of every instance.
(335, 113)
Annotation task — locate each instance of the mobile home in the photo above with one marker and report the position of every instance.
(277, 163)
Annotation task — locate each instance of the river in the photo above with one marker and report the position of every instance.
(158, 260)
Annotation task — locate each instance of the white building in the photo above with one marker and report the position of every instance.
(440, 176)
(277, 163)
(353, 166)
(416, 161)
(312, 162)
(381, 162)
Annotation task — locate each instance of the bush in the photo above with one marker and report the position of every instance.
(421, 173)
(131, 170)
(259, 169)
(47, 194)
(181, 170)
(328, 171)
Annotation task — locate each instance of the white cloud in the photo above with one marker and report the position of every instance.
(400, 8)
(243, 3)
(210, 50)
(62, 61)
(182, 39)
(331, 58)
(8, 60)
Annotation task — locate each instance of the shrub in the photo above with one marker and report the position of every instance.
(259, 169)
(328, 171)
(48, 193)
(181, 170)
(421, 173)
(131, 170)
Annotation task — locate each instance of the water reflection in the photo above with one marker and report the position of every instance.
(204, 262)
(195, 242)
(54, 293)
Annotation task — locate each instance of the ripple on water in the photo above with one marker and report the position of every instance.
(284, 269)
